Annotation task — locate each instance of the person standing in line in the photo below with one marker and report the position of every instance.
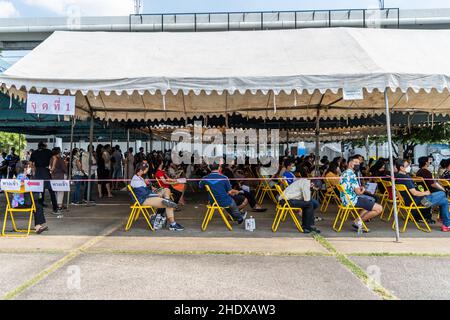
(58, 170)
(117, 172)
(100, 171)
(40, 162)
(107, 173)
(77, 176)
(89, 175)
(12, 159)
(129, 165)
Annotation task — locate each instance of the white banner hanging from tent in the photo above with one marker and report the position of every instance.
(60, 185)
(34, 185)
(50, 104)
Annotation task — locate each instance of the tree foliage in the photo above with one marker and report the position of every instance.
(408, 138)
(8, 140)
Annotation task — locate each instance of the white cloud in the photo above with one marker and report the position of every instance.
(7, 10)
(85, 7)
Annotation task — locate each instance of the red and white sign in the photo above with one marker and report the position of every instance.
(50, 104)
(34, 185)
(60, 185)
(10, 185)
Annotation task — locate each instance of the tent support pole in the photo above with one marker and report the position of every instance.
(317, 162)
(128, 139)
(391, 162)
(72, 126)
(91, 145)
(151, 140)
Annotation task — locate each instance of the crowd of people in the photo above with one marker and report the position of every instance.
(160, 183)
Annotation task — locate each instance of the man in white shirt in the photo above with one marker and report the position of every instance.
(298, 194)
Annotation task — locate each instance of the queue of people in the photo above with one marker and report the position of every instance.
(228, 182)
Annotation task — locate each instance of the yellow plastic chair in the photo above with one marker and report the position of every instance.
(446, 184)
(265, 189)
(345, 210)
(211, 208)
(402, 190)
(327, 196)
(137, 209)
(282, 210)
(10, 212)
(389, 203)
(420, 181)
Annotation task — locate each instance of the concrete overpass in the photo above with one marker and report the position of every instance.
(27, 33)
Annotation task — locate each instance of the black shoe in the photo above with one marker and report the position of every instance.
(429, 221)
(312, 229)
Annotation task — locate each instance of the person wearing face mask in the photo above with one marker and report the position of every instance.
(355, 194)
(422, 198)
(425, 173)
(289, 172)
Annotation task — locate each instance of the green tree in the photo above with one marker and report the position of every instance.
(16, 140)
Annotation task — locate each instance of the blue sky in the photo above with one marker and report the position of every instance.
(42, 8)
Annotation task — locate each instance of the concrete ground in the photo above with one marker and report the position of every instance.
(88, 255)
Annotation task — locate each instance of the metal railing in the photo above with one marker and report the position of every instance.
(265, 20)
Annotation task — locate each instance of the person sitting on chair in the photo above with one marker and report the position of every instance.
(355, 194)
(425, 173)
(298, 193)
(422, 198)
(147, 196)
(221, 189)
(245, 193)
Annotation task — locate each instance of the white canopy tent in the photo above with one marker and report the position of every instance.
(283, 73)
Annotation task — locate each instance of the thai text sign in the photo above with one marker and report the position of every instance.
(60, 185)
(50, 104)
(34, 185)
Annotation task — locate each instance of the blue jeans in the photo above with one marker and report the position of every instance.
(315, 204)
(77, 193)
(439, 198)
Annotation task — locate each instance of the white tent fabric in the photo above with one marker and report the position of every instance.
(281, 73)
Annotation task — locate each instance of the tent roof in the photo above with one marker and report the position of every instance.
(286, 71)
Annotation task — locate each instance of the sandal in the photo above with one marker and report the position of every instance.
(41, 229)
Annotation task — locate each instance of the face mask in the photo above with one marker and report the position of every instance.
(293, 169)
(28, 171)
(356, 167)
(408, 169)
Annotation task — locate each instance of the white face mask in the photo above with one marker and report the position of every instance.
(408, 169)
(28, 171)
(293, 169)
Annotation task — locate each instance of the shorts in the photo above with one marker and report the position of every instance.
(117, 173)
(367, 203)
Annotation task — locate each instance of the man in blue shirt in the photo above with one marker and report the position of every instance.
(422, 198)
(222, 191)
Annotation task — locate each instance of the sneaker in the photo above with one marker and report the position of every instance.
(242, 218)
(176, 227)
(76, 203)
(317, 219)
(426, 203)
(444, 228)
(358, 226)
(169, 204)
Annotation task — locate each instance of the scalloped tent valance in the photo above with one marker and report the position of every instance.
(279, 73)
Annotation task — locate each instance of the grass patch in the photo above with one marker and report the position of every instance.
(401, 254)
(356, 270)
